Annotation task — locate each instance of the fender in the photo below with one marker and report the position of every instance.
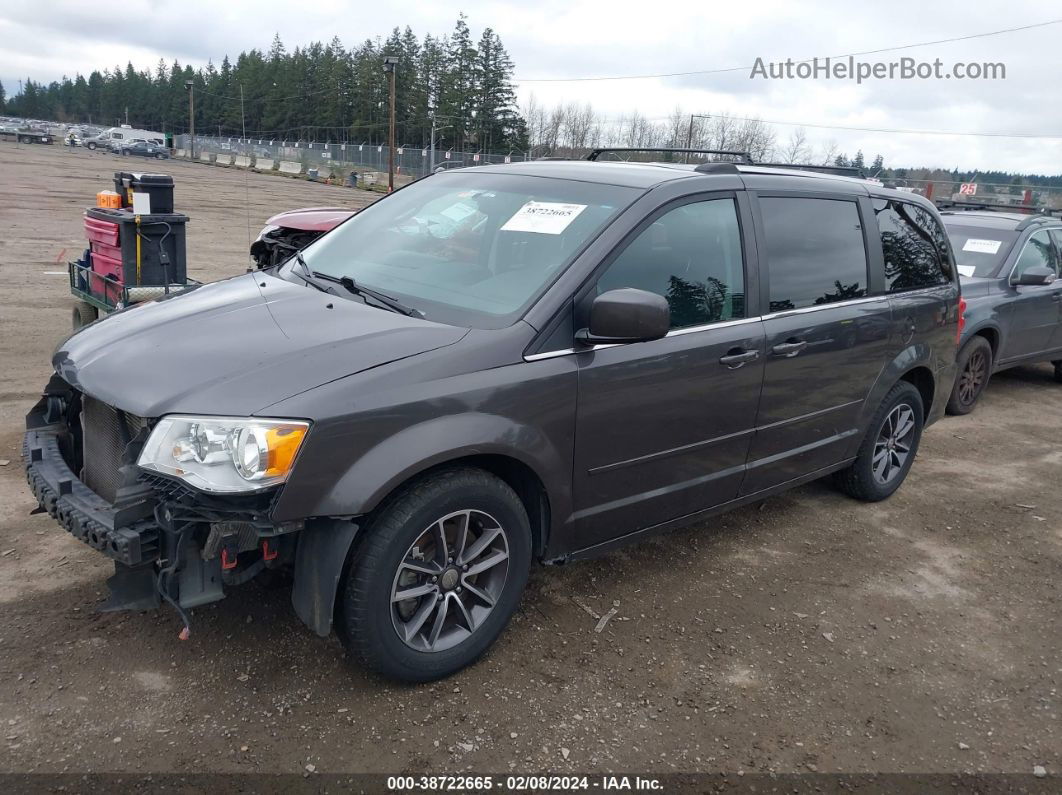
(920, 355)
(361, 487)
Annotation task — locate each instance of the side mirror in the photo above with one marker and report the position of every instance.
(626, 315)
(1036, 276)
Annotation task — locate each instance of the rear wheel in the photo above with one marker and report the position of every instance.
(889, 447)
(160, 156)
(91, 145)
(975, 368)
(437, 577)
(83, 314)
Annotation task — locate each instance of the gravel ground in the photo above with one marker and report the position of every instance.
(806, 633)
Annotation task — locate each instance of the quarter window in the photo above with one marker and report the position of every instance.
(1037, 253)
(914, 245)
(691, 256)
(815, 252)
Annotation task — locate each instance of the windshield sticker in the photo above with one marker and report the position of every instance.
(459, 212)
(546, 218)
(982, 246)
(967, 270)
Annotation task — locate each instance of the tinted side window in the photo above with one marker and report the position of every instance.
(1037, 253)
(914, 244)
(690, 255)
(815, 251)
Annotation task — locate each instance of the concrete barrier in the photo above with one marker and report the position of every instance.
(223, 159)
(181, 153)
(264, 163)
(243, 161)
(206, 157)
(289, 167)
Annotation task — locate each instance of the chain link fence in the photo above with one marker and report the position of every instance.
(336, 160)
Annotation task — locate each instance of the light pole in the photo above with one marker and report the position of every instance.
(189, 86)
(390, 64)
(243, 116)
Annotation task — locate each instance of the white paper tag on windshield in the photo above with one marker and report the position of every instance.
(966, 270)
(982, 246)
(547, 218)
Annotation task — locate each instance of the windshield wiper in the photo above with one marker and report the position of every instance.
(351, 286)
(307, 275)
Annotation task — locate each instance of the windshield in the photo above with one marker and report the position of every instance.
(979, 251)
(469, 248)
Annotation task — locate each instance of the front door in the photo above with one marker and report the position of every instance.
(1032, 311)
(826, 337)
(663, 427)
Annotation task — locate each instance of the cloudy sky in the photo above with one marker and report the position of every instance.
(556, 39)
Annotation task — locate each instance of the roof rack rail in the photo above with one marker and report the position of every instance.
(745, 156)
(840, 171)
(994, 206)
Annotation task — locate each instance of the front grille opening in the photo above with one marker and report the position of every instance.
(106, 432)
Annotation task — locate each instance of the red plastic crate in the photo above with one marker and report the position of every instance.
(108, 267)
(104, 232)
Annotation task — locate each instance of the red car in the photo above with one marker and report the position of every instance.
(294, 230)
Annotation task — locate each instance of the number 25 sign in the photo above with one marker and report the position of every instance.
(968, 188)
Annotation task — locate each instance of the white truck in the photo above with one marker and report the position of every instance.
(114, 137)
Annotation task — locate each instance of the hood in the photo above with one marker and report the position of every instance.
(312, 219)
(237, 346)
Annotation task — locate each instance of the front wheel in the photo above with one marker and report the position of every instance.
(975, 368)
(437, 576)
(91, 146)
(160, 156)
(889, 447)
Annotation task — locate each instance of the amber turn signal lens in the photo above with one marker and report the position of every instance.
(283, 443)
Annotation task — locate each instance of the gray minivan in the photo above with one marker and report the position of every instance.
(494, 366)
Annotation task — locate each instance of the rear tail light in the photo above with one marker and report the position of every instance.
(962, 320)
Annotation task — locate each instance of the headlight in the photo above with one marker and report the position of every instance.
(224, 454)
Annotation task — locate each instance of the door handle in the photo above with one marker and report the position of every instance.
(738, 357)
(790, 348)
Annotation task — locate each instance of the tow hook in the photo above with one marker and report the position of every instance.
(229, 551)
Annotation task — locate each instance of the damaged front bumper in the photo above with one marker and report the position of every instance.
(168, 542)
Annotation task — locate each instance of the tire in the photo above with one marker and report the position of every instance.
(160, 156)
(398, 638)
(974, 367)
(863, 479)
(83, 314)
(91, 146)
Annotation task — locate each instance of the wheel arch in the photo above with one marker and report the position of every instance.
(921, 378)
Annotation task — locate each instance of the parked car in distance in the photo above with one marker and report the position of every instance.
(1009, 264)
(145, 149)
(114, 137)
(536, 361)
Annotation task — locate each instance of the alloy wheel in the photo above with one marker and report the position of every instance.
(972, 378)
(449, 580)
(893, 445)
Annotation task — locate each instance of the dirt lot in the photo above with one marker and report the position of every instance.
(809, 632)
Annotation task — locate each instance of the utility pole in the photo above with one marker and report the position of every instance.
(190, 88)
(390, 64)
(127, 114)
(689, 136)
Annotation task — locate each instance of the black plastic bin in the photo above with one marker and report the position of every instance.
(158, 232)
(158, 186)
